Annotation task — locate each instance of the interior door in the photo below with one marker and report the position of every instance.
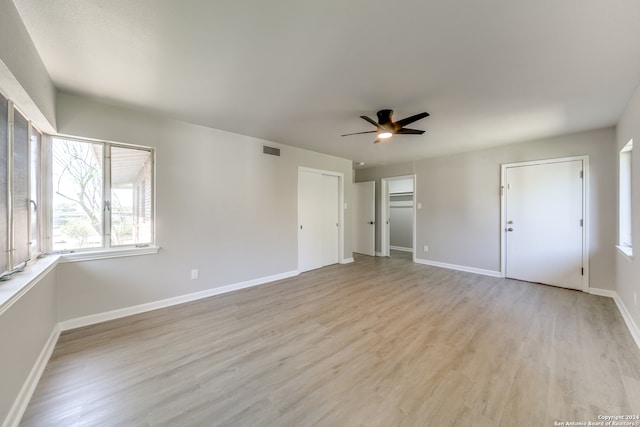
(310, 250)
(330, 219)
(543, 230)
(318, 220)
(364, 214)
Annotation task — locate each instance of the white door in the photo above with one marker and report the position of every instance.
(309, 218)
(318, 220)
(330, 219)
(544, 223)
(364, 214)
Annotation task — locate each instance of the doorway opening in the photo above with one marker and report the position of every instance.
(398, 213)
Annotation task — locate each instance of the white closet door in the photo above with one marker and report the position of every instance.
(318, 220)
(310, 253)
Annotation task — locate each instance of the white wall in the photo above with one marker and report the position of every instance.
(460, 197)
(627, 279)
(222, 207)
(23, 77)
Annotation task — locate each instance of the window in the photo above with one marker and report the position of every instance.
(130, 171)
(624, 208)
(4, 184)
(98, 190)
(100, 194)
(19, 189)
(20, 211)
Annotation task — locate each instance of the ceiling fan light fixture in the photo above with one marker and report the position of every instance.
(386, 127)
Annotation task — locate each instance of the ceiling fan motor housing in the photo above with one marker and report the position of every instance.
(385, 119)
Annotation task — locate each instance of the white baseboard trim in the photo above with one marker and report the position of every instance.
(602, 292)
(400, 248)
(137, 309)
(631, 325)
(464, 268)
(347, 261)
(22, 400)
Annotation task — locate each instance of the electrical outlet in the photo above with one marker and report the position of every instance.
(426, 248)
(194, 274)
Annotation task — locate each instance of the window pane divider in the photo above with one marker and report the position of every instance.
(107, 211)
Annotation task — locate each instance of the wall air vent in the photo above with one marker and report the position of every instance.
(271, 150)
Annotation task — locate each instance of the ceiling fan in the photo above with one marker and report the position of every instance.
(386, 127)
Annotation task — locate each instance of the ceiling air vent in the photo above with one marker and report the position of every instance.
(270, 150)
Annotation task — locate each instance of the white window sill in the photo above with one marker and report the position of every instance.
(11, 290)
(107, 253)
(626, 251)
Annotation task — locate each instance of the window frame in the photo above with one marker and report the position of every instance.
(37, 202)
(16, 232)
(625, 209)
(108, 249)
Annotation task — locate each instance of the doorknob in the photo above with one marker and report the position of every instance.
(509, 229)
(371, 222)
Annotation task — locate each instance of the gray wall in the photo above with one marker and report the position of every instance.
(222, 207)
(23, 76)
(460, 197)
(627, 280)
(25, 328)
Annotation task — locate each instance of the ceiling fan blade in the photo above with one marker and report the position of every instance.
(359, 133)
(377, 140)
(409, 131)
(402, 123)
(373, 122)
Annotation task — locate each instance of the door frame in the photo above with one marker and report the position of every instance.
(340, 176)
(385, 229)
(585, 210)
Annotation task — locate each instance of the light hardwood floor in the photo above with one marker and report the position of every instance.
(380, 342)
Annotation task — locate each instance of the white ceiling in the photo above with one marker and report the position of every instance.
(300, 72)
